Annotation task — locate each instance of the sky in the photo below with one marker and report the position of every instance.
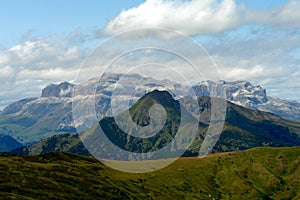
(44, 42)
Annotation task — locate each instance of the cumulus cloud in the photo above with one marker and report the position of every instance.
(36, 62)
(202, 17)
(190, 17)
(45, 52)
(30, 50)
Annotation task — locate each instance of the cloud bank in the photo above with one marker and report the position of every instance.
(201, 17)
(30, 65)
(190, 17)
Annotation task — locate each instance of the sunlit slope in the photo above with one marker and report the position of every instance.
(261, 173)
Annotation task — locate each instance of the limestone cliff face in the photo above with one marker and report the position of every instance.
(62, 90)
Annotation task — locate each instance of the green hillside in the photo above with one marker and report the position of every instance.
(140, 116)
(245, 128)
(261, 173)
(58, 143)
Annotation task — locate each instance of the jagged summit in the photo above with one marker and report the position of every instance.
(62, 90)
(239, 92)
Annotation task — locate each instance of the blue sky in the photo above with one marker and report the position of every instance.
(42, 18)
(266, 4)
(46, 41)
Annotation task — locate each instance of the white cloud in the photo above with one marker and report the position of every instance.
(7, 74)
(4, 56)
(72, 53)
(202, 17)
(41, 53)
(36, 62)
(30, 49)
(245, 74)
(51, 74)
(288, 16)
(190, 17)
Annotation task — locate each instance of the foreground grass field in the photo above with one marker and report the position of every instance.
(261, 173)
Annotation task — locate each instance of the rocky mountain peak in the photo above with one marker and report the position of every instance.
(240, 92)
(62, 90)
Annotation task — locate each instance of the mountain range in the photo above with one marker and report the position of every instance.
(243, 129)
(34, 119)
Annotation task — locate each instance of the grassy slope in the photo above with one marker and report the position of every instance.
(261, 173)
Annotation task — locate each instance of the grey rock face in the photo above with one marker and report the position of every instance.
(63, 89)
(254, 97)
